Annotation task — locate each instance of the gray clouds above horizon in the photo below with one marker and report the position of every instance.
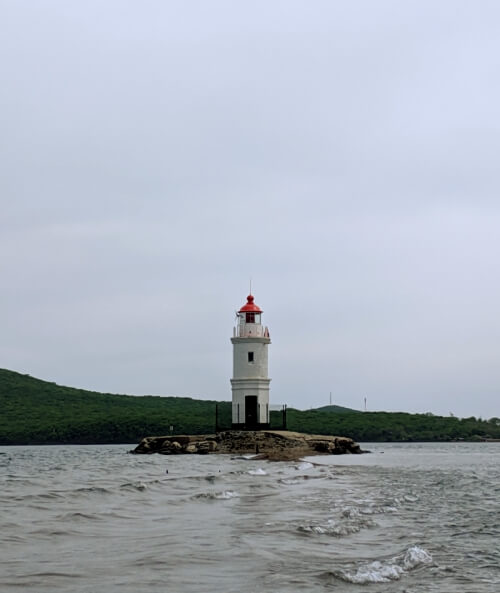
(154, 156)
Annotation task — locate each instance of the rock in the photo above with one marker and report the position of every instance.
(207, 447)
(279, 445)
(168, 448)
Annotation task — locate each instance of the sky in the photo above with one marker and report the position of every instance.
(157, 155)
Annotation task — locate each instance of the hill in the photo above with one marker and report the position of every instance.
(393, 426)
(337, 410)
(33, 411)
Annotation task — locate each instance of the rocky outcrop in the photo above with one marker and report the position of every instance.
(172, 445)
(272, 444)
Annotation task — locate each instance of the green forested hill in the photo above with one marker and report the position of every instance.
(393, 426)
(35, 411)
(38, 412)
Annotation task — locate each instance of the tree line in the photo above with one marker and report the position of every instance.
(39, 412)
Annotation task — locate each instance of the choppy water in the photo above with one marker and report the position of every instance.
(408, 518)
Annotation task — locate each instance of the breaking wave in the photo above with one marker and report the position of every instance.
(304, 465)
(386, 571)
(337, 528)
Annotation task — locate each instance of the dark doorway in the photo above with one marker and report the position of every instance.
(251, 419)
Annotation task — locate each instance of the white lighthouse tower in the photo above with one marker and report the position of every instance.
(250, 383)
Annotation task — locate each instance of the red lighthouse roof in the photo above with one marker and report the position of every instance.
(250, 306)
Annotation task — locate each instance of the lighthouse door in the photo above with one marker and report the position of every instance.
(250, 411)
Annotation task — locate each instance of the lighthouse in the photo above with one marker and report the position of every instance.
(250, 383)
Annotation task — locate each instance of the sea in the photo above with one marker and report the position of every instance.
(406, 518)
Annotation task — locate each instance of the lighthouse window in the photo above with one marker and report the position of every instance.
(250, 317)
(250, 357)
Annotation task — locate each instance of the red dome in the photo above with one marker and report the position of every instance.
(250, 306)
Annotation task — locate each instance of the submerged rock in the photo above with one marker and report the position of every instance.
(276, 445)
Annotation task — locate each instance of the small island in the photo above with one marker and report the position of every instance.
(275, 445)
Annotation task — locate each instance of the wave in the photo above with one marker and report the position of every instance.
(378, 510)
(77, 516)
(92, 490)
(51, 574)
(304, 465)
(368, 507)
(337, 528)
(40, 496)
(211, 478)
(291, 481)
(386, 571)
(224, 495)
(139, 486)
(257, 472)
(299, 479)
(49, 533)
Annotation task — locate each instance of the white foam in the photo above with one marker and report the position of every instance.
(226, 495)
(304, 465)
(350, 512)
(338, 528)
(416, 556)
(410, 498)
(390, 570)
(376, 572)
(257, 472)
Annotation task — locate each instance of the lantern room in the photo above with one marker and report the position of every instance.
(249, 321)
(250, 313)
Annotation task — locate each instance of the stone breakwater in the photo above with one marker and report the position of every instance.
(279, 445)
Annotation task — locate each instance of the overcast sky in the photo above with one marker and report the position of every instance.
(155, 155)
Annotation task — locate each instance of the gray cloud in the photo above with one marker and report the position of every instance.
(154, 157)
